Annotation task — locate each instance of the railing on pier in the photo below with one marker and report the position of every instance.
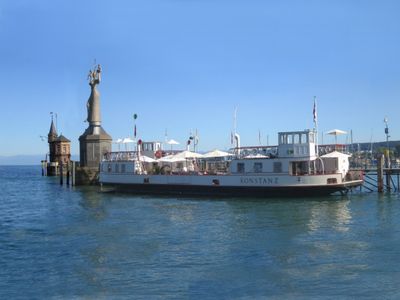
(381, 179)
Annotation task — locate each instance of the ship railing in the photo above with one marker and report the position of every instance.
(266, 151)
(120, 156)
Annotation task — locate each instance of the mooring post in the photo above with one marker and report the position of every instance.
(388, 179)
(68, 170)
(61, 174)
(42, 168)
(387, 170)
(380, 173)
(73, 173)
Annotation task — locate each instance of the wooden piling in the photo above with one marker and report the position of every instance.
(73, 172)
(380, 173)
(61, 174)
(68, 170)
(43, 174)
(388, 180)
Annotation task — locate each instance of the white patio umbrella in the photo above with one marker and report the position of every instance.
(146, 159)
(118, 142)
(188, 154)
(127, 141)
(216, 153)
(335, 132)
(172, 142)
(170, 159)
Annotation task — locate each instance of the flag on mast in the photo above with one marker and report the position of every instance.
(315, 111)
(134, 123)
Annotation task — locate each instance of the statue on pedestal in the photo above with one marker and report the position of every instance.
(93, 105)
(95, 141)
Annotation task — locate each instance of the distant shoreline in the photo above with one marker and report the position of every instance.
(26, 160)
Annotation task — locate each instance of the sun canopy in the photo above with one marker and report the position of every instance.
(127, 140)
(336, 132)
(336, 154)
(170, 159)
(188, 154)
(172, 142)
(144, 158)
(216, 153)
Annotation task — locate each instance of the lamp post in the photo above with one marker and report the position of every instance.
(385, 120)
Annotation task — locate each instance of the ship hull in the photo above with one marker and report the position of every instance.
(233, 191)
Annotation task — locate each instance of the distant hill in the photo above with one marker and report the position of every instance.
(375, 146)
(19, 160)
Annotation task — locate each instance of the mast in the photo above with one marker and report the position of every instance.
(315, 115)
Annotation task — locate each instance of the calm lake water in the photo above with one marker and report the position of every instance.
(60, 242)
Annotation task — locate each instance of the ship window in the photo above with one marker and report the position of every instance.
(331, 181)
(116, 168)
(296, 139)
(240, 167)
(109, 167)
(123, 168)
(290, 139)
(277, 167)
(258, 167)
(283, 139)
(303, 138)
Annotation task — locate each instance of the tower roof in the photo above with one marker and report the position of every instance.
(62, 138)
(53, 130)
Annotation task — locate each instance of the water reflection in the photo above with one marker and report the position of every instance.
(93, 201)
(330, 213)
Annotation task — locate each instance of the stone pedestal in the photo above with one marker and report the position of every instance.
(86, 176)
(93, 144)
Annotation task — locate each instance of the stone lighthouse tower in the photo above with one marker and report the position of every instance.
(95, 141)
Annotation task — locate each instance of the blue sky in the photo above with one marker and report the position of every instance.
(186, 64)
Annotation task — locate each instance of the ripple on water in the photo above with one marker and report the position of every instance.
(76, 242)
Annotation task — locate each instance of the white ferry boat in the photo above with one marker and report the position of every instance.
(293, 168)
